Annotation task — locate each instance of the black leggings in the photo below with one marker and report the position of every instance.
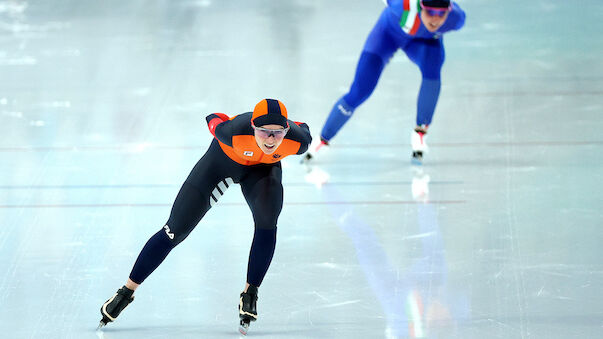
(213, 174)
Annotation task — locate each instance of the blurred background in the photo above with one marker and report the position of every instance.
(497, 235)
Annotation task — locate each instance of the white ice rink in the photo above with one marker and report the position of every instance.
(498, 235)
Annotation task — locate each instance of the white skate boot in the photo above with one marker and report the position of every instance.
(419, 147)
(316, 144)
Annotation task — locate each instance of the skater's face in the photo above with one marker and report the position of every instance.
(269, 137)
(433, 19)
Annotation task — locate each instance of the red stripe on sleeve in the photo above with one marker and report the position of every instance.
(416, 25)
(212, 125)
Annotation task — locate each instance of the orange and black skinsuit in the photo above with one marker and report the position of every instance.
(232, 157)
(237, 141)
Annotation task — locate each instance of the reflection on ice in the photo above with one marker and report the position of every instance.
(416, 301)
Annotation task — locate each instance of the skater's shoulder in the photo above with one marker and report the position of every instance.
(230, 129)
(456, 17)
(299, 131)
(246, 116)
(241, 124)
(298, 137)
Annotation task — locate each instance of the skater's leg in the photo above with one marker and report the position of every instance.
(191, 204)
(367, 75)
(260, 255)
(263, 192)
(376, 53)
(429, 56)
(131, 285)
(428, 98)
(185, 215)
(189, 207)
(150, 257)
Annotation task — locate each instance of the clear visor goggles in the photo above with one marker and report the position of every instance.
(267, 132)
(436, 11)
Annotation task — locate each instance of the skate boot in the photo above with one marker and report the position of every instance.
(247, 308)
(313, 149)
(117, 303)
(419, 147)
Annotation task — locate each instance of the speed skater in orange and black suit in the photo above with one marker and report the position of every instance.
(247, 149)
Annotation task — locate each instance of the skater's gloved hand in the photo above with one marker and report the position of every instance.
(214, 120)
(302, 125)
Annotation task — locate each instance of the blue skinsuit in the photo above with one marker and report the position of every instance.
(424, 48)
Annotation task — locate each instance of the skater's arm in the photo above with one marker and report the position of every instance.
(300, 132)
(457, 16)
(220, 127)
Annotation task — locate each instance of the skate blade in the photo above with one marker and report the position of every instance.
(103, 322)
(306, 159)
(243, 328)
(417, 158)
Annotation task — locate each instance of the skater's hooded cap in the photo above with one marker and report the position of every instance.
(436, 3)
(270, 112)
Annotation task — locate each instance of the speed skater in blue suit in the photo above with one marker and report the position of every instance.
(417, 27)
